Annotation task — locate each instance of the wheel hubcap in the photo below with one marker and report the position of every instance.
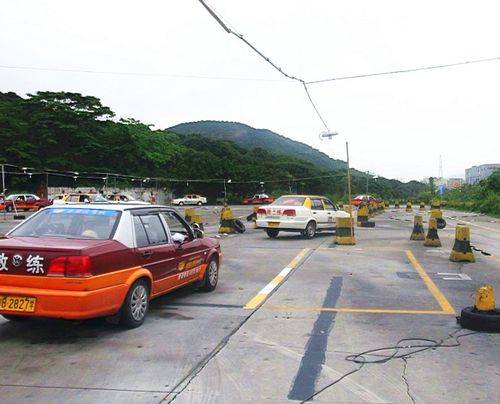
(139, 302)
(212, 273)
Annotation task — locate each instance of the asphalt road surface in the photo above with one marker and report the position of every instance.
(261, 337)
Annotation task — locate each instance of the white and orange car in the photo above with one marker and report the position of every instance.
(306, 214)
(96, 260)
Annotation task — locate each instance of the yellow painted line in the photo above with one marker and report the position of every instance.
(438, 295)
(258, 299)
(357, 310)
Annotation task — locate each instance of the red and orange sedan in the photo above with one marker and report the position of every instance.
(99, 260)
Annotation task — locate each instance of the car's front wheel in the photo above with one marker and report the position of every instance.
(8, 208)
(199, 203)
(272, 233)
(310, 230)
(211, 277)
(181, 203)
(136, 305)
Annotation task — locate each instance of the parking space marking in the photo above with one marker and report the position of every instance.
(264, 293)
(438, 295)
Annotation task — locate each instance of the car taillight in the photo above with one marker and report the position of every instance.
(289, 212)
(261, 211)
(77, 266)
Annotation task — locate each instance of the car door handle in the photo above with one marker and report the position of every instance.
(147, 254)
(314, 213)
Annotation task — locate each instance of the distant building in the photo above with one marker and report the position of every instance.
(477, 173)
(452, 183)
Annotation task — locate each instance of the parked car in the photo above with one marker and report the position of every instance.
(306, 214)
(23, 202)
(124, 198)
(358, 200)
(83, 261)
(191, 199)
(79, 197)
(258, 199)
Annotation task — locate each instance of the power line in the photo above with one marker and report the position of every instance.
(138, 74)
(267, 59)
(410, 70)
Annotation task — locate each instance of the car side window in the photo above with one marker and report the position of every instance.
(329, 204)
(317, 204)
(154, 229)
(175, 224)
(141, 239)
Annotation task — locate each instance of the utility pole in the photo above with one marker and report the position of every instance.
(3, 190)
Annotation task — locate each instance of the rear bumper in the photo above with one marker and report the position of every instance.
(69, 304)
(287, 225)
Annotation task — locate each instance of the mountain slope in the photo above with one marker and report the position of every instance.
(249, 138)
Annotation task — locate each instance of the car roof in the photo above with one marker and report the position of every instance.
(303, 196)
(108, 206)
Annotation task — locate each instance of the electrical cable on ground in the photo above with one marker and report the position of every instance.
(404, 344)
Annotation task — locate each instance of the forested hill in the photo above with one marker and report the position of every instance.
(75, 133)
(249, 138)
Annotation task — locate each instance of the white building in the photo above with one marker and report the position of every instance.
(477, 173)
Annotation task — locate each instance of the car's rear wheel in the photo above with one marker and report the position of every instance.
(13, 317)
(181, 203)
(199, 203)
(211, 277)
(310, 230)
(8, 208)
(136, 305)
(272, 233)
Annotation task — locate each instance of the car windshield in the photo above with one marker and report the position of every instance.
(290, 201)
(97, 224)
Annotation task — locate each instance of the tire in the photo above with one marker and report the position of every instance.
(181, 203)
(239, 226)
(136, 305)
(310, 230)
(211, 277)
(272, 233)
(488, 321)
(13, 317)
(441, 223)
(8, 208)
(200, 203)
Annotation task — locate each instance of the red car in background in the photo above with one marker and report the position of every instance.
(258, 199)
(358, 200)
(23, 202)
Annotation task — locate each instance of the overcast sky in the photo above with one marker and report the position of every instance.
(397, 126)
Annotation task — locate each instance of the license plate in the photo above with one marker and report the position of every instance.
(273, 224)
(273, 216)
(16, 303)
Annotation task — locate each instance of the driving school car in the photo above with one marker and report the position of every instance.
(306, 214)
(95, 260)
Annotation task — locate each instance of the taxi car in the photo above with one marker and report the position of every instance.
(78, 197)
(306, 214)
(101, 260)
(23, 202)
(124, 198)
(191, 199)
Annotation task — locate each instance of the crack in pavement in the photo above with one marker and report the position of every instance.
(405, 379)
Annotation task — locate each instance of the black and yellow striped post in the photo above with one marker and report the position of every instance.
(344, 233)
(192, 216)
(226, 220)
(436, 204)
(432, 238)
(422, 206)
(386, 205)
(409, 207)
(462, 250)
(396, 205)
(362, 216)
(418, 229)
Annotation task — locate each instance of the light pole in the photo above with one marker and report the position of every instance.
(225, 191)
(329, 136)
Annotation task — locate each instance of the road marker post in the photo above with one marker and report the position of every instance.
(432, 237)
(344, 233)
(418, 229)
(462, 251)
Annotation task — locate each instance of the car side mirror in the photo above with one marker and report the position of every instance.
(198, 233)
